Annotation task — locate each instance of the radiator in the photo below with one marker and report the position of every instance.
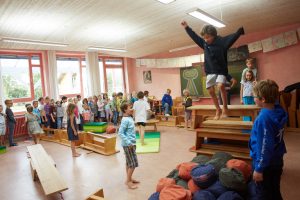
(19, 129)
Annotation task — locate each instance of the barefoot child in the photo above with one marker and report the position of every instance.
(246, 93)
(140, 109)
(32, 121)
(2, 126)
(215, 60)
(187, 103)
(72, 128)
(127, 135)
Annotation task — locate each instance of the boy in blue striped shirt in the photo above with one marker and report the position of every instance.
(128, 138)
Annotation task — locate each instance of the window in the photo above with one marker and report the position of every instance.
(101, 74)
(22, 78)
(68, 76)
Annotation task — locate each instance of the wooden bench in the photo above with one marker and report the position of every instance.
(167, 121)
(64, 140)
(199, 112)
(227, 124)
(50, 135)
(99, 195)
(42, 164)
(98, 143)
(152, 122)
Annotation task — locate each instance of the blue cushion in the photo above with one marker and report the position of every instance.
(154, 196)
(203, 195)
(217, 189)
(230, 195)
(204, 175)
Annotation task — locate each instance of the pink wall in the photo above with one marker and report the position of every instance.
(282, 65)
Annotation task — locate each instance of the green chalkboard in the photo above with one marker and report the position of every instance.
(191, 79)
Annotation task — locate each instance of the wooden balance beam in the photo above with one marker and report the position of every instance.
(42, 164)
(50, 135)
(201, 111)
(98, 143)
(64, 140)
(152, 122)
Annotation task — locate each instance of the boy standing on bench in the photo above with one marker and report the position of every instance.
(128, 137)
(215, 54)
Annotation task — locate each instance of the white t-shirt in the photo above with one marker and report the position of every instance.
(41, 107)
(247, 89)
(140, 107)
(80, 108)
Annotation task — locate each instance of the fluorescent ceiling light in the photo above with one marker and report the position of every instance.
(106, 49)
(182, 48)
(165, 1)
(200, 14)
(36, 42)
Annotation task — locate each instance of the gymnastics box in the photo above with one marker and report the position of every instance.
(95, 127)
(2, 149)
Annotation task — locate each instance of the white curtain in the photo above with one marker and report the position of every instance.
(52, 75)
(1, 88)
(93, 75)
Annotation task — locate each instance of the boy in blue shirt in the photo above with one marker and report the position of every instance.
(128, 138)
(167, 102)
(215, 60)
(267, 146)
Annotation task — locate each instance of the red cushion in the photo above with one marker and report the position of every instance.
(163, 182)
(175, 192)
(192, 186)
(110, 129)
(185, 170)
(240, 165)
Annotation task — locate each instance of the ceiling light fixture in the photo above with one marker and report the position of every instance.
(106, 49)
(165, 1)
(182, 48)
(200, 14)
(35, 42)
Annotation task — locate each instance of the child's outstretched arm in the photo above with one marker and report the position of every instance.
(230, 39)
(198, 40)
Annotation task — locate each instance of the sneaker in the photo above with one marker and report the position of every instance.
(167, 115)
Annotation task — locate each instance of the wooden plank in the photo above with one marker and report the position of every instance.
(228, 136)
(227, 147)
(205, 151)
(50, 179)
(227, 124)
(230, 107)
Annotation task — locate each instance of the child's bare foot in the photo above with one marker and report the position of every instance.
(76, 155)
(218, 114)
(224, 113)
(135, 181)
(131, 185)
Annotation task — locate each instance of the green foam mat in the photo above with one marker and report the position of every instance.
(152, 143)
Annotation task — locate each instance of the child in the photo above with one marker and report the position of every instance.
(11, 122)
(42, 111)
(53, 114)
(36, 111)
(101, 104)
(94, 108)
(64, 105)
(76, 112)
(230, 83)
(133, 97)
(120, 101)
(127, 135)
(59, 114)
(215, 64)
(140, 109)
(72, 128)
(47, 112)
(33, 125)
(246, 93)
(167, 102)
(86, 113)
(250, 66)
(114, 108)
(2, 126)
(187, 103)
(107, 108)
(267, 146)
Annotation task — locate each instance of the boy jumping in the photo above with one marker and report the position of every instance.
(215, 60)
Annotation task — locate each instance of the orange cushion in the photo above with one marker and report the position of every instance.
(192, 186)
(110, 129)
(175, 192)
(163, 182)
(185, 170)
(240, 165)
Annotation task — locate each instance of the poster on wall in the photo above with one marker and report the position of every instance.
(240, 53)
(254, 46)
(147, 77)
(267, 45)
(191, 79)
(278, 41)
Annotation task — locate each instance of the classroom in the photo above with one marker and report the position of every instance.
(149, 99)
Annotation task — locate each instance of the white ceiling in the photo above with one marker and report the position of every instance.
(143, 27)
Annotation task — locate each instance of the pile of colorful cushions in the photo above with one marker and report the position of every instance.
(218, 178)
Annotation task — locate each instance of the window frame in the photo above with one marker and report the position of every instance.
(41, 66)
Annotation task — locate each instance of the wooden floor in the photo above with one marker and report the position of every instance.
(86, 174)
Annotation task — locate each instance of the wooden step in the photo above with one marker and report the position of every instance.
(227, 147)
(204, 151)
(227, 124)
(222, 134)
